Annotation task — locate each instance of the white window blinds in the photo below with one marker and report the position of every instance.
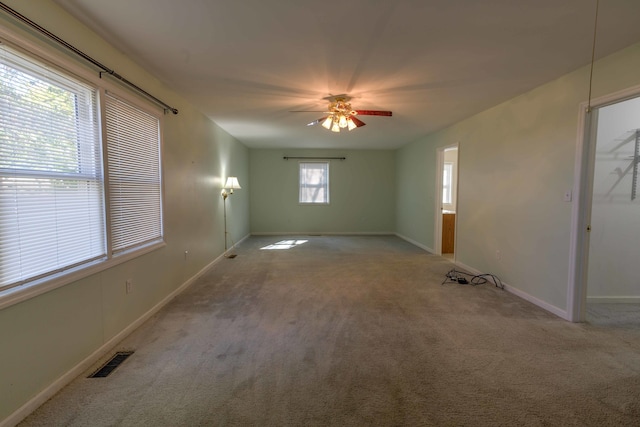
(134, 187)
(314, 182)
(51, 185)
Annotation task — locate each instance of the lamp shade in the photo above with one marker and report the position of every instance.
(232, 183)
(327, 123)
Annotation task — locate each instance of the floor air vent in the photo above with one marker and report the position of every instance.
(111, 365)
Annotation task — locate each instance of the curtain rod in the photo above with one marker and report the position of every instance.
(78, 52)
(316, 158)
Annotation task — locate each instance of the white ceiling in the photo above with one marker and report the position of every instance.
(248, 63)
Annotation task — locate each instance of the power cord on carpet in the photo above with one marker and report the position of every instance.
(464, 278)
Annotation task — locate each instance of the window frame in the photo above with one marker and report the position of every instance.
(73, 69)
(49, 154)
(326, 186)
(447, 187)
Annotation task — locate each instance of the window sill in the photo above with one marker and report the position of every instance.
(21, 293)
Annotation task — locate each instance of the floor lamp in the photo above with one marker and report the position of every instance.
(231, 184)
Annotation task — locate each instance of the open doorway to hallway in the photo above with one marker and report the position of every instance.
(446, 203)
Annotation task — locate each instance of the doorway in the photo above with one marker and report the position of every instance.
(446, 201)
(607, 216)
(613, 291)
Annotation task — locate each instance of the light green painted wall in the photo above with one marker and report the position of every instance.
(362, 198)
(68, 324)
(416, 192)
(516, 161)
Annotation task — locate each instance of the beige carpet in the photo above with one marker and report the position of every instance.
(356, 331)
(618, 316)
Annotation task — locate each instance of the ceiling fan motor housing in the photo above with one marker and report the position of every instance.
(341, 115)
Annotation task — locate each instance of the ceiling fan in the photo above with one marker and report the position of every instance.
(341, 115)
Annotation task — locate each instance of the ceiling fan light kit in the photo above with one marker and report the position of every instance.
(342, 116)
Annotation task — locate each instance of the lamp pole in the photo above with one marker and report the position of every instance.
(232, 182)
(224, 199)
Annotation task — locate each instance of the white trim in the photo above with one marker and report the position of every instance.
(418, 244)
(322, 233)
(613, 300)
(519, 293)
(242, 239)
(577, 269)
(35, 402)
(581, 210)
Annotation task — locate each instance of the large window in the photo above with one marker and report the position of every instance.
(314, 182)
(53, 192)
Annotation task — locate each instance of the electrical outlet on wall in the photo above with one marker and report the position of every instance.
(128, 286)
(498, 255)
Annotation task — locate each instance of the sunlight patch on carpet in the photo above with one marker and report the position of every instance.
(284, 244)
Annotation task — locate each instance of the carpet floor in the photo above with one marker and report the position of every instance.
(355, 331)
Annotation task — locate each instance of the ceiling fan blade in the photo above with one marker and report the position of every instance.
(315, 122)
(308, 111)
(359, 123)
(374, 113)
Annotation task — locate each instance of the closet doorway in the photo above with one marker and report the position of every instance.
(613, 292)
(606, 225)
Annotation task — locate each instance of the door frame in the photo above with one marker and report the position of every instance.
(437, 232)
(583, 198)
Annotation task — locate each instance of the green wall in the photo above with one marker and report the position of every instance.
(516, 161)
(70, 323)
(416, 189)
(362, 198)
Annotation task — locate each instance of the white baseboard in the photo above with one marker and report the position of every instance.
(235, 244)
(613, 300)
(413, 242)
(542, 304)
(34, 403)
(323, 233)
(525, 296)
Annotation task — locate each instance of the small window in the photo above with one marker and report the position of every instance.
(314, 183)
(447, 184)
